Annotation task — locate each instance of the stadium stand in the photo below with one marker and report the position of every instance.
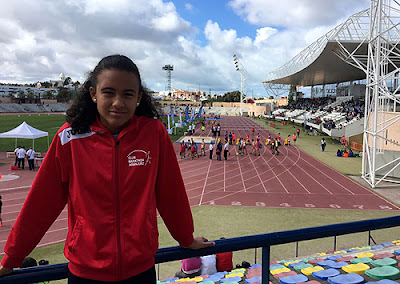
(328, 115)
(33, 108)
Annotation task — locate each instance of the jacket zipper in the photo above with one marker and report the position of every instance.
(117, 212)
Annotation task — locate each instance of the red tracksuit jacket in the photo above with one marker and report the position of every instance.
(113, 188)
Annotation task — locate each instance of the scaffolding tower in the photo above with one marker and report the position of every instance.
(382, 92)
(169, 69)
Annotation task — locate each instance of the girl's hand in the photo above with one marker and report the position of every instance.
(5, 270)
(201, 242)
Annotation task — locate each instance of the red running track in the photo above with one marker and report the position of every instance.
(291, 179)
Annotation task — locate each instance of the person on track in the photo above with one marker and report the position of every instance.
(277, 144)
(226, 150)
(203, 148)
(182, 150)
(211, 149)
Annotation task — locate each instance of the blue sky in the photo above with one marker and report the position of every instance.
(199, 12)
(38, 41)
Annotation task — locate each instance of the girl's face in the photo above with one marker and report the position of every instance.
(117, 96)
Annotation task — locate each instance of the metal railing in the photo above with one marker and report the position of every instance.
(265, 241)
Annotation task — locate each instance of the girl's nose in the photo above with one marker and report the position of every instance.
(118, 101)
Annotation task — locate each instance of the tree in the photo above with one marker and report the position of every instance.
(292, 92)
(45, 84)
(64, 95)
(21, 94)
(67, 81)
(271, 97)
(48, 95)
(76, 85)
(232, 97)
(30, 95)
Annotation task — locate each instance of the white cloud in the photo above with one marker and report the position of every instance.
(263, 34)
(41, 39)
(301, 13)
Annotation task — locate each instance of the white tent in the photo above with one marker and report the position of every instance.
(24, 130)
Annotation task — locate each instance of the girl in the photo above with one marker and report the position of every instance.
(239, 144)
(114, 165)
(272, 146)
(219, 150)
(258, 147)
(244, 151)
(253, 150)
(182, 150)
(203, 148)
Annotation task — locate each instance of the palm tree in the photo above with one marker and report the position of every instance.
(76, 85)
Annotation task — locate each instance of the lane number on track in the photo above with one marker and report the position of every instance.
(335, 206)
(384, 207)
(307, 205)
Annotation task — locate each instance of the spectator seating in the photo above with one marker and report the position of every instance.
(33, 108)
(369, 264)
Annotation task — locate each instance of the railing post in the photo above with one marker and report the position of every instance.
(297, 249)
(266, 254)
(369, 238)
(334, 243)
(255, 255)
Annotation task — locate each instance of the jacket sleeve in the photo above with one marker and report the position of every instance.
(172, 201)
(45, 201)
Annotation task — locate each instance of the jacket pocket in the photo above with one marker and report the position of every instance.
(152, 232)
(76, 231)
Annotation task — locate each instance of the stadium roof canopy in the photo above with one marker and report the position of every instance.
(324, 61)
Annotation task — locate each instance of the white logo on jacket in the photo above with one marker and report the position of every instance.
(138, 158)
(66, 135)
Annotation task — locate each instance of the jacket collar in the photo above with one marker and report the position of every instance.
(98, 127)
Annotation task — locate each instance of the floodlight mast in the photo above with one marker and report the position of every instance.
(241, 71)
(169, 69)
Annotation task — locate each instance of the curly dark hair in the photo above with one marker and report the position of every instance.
(83, 110)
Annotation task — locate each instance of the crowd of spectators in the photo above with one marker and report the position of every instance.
(353, 109)
(350, 110)
(310, 104)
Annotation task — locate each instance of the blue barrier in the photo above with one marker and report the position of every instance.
(60, 271)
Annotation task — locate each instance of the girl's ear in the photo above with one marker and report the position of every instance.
(139, 97)
(92, 92)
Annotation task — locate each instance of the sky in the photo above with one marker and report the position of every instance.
(39, 39)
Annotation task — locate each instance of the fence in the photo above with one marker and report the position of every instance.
(265, 241)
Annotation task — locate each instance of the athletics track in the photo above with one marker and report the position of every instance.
(291, 179)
